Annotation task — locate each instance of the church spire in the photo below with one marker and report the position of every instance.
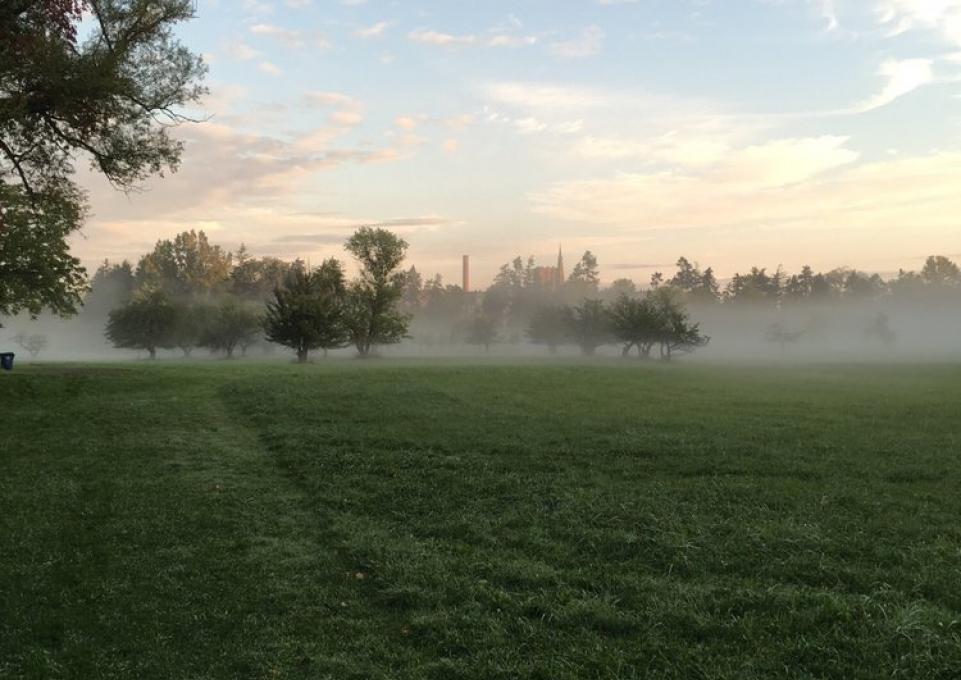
(560, 265)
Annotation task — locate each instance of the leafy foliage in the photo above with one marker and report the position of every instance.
(233, 324)
(482, 330)
(374, 317)
(308, 311)
(37, 271)
(111, 100)
(144, 323)
(589, 326)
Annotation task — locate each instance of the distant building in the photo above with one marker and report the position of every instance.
(551, 278)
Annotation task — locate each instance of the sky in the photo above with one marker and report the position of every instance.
(733, 132)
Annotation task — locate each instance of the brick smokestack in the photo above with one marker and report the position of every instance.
(466, 273)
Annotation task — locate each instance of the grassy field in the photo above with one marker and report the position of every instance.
(496, 520)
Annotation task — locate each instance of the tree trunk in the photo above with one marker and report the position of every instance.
(302, 356)
(153, 352)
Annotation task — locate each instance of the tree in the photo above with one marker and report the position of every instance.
(589, 326)
(111, 286)
(586, 275)
(146, 323)
(697, 286)
(233, 325)
(941, 271)
(781, 336)
(111, 99)
(620, 287)
(676, 333)
(880, 329)
(373, 316)
(549, 326)
(256, 279)
(636, 322)
(37, 271)
(482, 330)
(190, 326)
(413, 294)
(757, 287)
(188, 266)
(34, 343)
(308, 311)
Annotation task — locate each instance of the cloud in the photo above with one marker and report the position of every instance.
(943, 16)
(293, 39)
(587, 44)
(428, 37)
(345, 112)
(505, 40)
(270, 69)
(903, 78)
(726, 190)
(528, 95)
(241, 51)
(375, 31)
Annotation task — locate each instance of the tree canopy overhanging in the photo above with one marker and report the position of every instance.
(110, 97)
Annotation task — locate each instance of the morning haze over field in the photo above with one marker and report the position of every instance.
(449, 340)
(737, 133)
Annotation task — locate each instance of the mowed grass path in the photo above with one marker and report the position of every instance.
(547, 520)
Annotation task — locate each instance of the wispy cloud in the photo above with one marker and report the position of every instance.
(587, 44)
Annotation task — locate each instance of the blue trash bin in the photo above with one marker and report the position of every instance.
(6, 361)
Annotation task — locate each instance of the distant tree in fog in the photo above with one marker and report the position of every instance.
(549, 326)
(482, 330)
(412, 297)
(190, 325)
(620, 287)
(145, 323)
(697, 286)
(33, 343)
(256, 278)
(233, 325)
(111, 286)
(586, 275)
(189, 265)
(373, 314)
(781, 336)
(807, 286)
(940, 271)
(676, 331)
(589, 326)
(756, 287)
(636, 323)
(309, 311)
(880, 329)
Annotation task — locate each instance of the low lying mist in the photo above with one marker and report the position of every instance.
(189, 299)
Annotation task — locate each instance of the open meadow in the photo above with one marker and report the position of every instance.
(492, 519)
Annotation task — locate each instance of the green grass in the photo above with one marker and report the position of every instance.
(496, 520)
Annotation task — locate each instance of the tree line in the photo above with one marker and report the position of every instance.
(188, 294)
(519, 306)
